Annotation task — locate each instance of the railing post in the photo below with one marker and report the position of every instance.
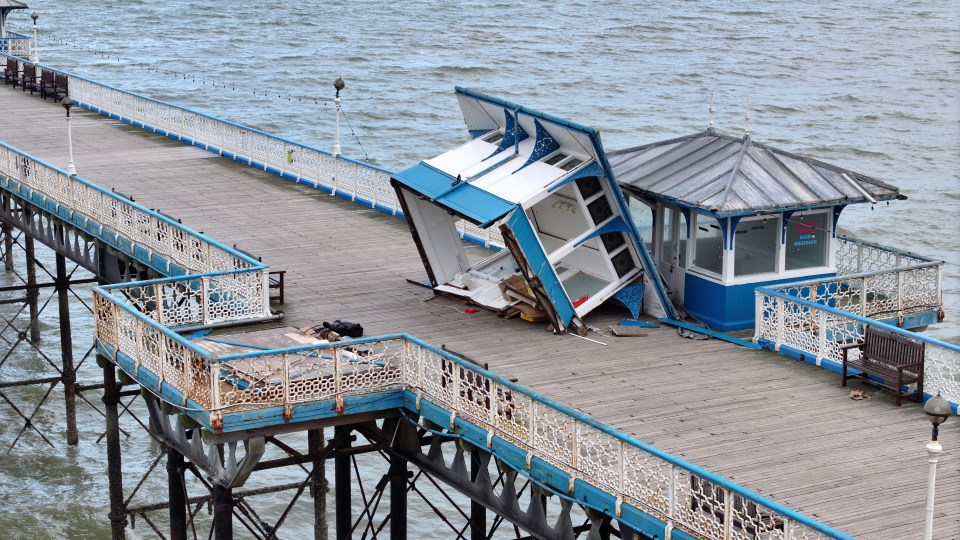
(863, 297)
(672, 502)
(287, 407)
(899, 294)
(757, 314)
(337, 380)
(727, 514)
(205, 299)
(859, 256)
(781, 309)
(821, 335)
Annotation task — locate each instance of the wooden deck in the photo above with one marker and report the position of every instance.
(782, 428)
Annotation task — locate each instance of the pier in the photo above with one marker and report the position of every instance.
(761, 422)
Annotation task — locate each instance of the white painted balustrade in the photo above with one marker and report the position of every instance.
(642, 477)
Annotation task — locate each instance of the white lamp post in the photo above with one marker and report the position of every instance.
(937, 410)
(68, 104)
(35, 54)
(338, 84)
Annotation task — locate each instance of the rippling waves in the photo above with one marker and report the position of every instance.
(872, 86)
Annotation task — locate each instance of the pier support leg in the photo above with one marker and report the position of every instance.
(33, 293)
(478, 513)
(398, 498)
(222, 513)
(7, 246)
(177, 491)
(69, 377)
(318, 490)
(111, 397)
(341, 471)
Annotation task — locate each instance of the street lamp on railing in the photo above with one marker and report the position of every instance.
(68, 104)
(338, 84)
(35, 54)
(937, 410)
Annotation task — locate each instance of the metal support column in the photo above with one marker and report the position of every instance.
(341, 471)
(69, 377)
(478, 513)
(177, 491)
(222, 512)
(111, 398)
(8, 246)
(318, 489)
(33, 293)
(398, 498)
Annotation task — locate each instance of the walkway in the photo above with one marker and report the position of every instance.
(779, 427)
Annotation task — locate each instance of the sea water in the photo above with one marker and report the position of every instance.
(870, 86)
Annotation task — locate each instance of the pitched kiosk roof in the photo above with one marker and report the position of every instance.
(727, 176)
(11, 4)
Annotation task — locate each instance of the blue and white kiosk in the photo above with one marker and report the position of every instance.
(724, 215)
(546, 184)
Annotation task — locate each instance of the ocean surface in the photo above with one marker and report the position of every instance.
(870, 86)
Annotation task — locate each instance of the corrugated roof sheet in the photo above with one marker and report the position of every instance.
(463, 198)
(12, 4)
(729, 176)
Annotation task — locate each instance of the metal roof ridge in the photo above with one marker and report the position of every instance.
(735, 170)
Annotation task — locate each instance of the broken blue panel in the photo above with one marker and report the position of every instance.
(534, 254)
(631, 297)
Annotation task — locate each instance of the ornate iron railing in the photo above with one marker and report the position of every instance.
(786, 319)
(16, 45)
(350, 179)
(855, 256)
(632, 473)
(226, 285)
(887, 294)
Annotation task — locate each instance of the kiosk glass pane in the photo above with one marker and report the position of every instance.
(808, 238)
(755, 247)
(708, 245)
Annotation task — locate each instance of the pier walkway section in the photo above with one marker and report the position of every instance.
(782, 428)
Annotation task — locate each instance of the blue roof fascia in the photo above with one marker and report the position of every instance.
(472, 202)
(464, 199)
(527, 111)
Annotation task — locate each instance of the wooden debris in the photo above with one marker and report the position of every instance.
(627, 331)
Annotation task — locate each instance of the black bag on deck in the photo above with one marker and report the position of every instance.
(345, 328)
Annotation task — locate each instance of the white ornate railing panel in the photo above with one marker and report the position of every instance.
(16, 45)
(233, 285)
(657, 484)
(786, 320)
(894, 284)
(854, 256)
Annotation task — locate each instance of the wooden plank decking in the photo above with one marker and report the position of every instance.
(784, 429)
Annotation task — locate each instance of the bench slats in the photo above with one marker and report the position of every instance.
(892, 357)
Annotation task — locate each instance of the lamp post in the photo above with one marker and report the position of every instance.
(68, 104)
(937, 410)
(35, 54)
(338, 84)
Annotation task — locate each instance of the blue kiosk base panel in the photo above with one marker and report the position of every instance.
(727, 307)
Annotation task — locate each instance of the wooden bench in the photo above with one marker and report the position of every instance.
(11, 73)
(892, 357)
(28, 77)
(275, 283)
(52, 84)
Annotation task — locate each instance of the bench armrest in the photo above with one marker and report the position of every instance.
(851, 346)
